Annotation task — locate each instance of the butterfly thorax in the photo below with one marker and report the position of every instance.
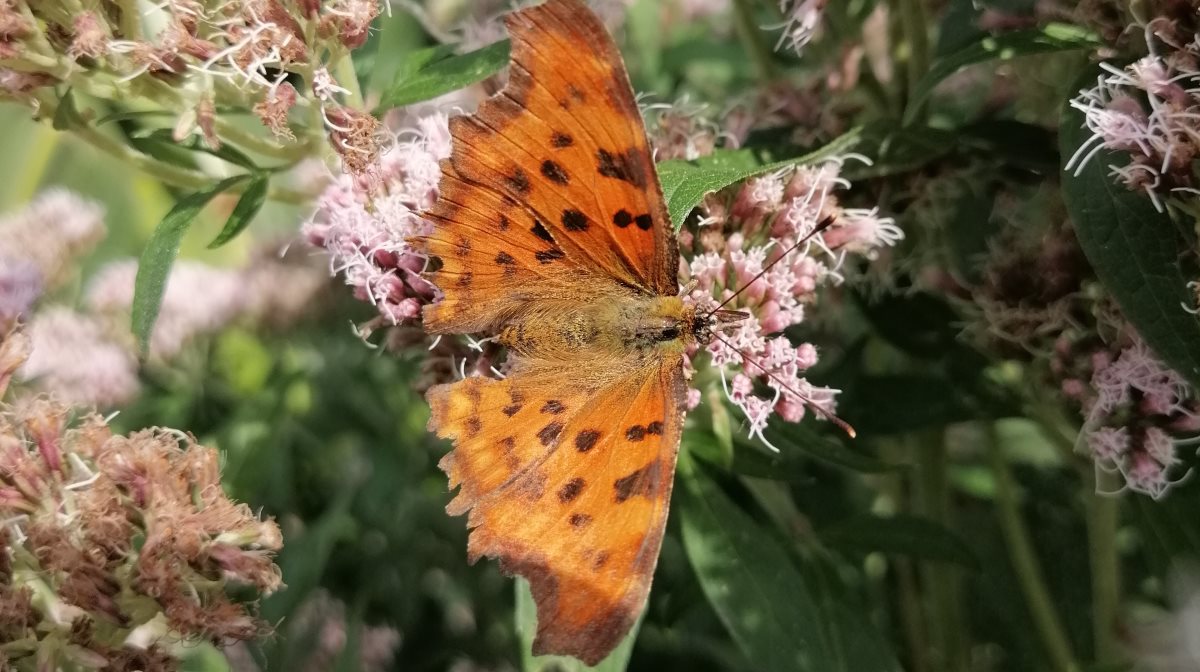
(604, 326)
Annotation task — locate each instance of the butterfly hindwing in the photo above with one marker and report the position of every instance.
(570, 491)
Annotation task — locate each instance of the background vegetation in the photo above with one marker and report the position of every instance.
(969, 526)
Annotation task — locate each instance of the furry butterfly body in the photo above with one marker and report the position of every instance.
(553, 236)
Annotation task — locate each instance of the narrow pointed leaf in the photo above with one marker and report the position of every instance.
(750, 581)
(247, 207)
(1050, 38)
(432, 72)
(783, 616)
(154, 266)
(194, 143)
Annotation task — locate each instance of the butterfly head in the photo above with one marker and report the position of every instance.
(705, 326)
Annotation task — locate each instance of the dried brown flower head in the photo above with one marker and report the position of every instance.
(121, 546)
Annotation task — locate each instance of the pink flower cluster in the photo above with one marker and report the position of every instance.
(1147, 110)
(749, 229)
(1138, 405)
(86, 357)
(37, 245)
(363, 226)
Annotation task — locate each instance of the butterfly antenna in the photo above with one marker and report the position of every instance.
(841, 424)
(821, 226)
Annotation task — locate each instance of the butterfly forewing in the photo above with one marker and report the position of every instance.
(565, 139)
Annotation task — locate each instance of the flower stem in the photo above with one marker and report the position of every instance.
(1046, 622)
(943, 583)
(167, 173)
(1102, 518)
(915, 25)
(347, 78)
(751, 38)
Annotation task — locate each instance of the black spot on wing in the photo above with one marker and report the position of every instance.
(548, 256)
(574, 220)
(518, 181)
(621, 166)
(474, 426)
(571, 491)
(644, 222)
(560, 140)
(549, 433)
(541, 232)
(586, 440)
(553, 407)
(622, 219)
(554, 172)
(642, 482)
(518, 402)
(635, 433)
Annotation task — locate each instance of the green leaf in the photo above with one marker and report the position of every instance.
(684, 183)
(243, 213)
(432, 72)
(969, 228)
(1053, 37)
(526, 613)
(779, 618)
(797, 443)
(154, 266)
(901, 535)
(1135, 251)
(750, 581)
(195, 143)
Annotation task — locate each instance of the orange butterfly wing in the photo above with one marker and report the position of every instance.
(570, 492)
(550, 195)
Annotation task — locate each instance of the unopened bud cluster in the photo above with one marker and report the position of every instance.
(198, 60)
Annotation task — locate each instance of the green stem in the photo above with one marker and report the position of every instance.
(912, 623)
(131, 19)
(347, 78)
(751, 37)
(167, 173)
(1102, 519)
(1029, 573)
(915, 25)
(943, 583)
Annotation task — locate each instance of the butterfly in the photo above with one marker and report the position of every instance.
(552, 234)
